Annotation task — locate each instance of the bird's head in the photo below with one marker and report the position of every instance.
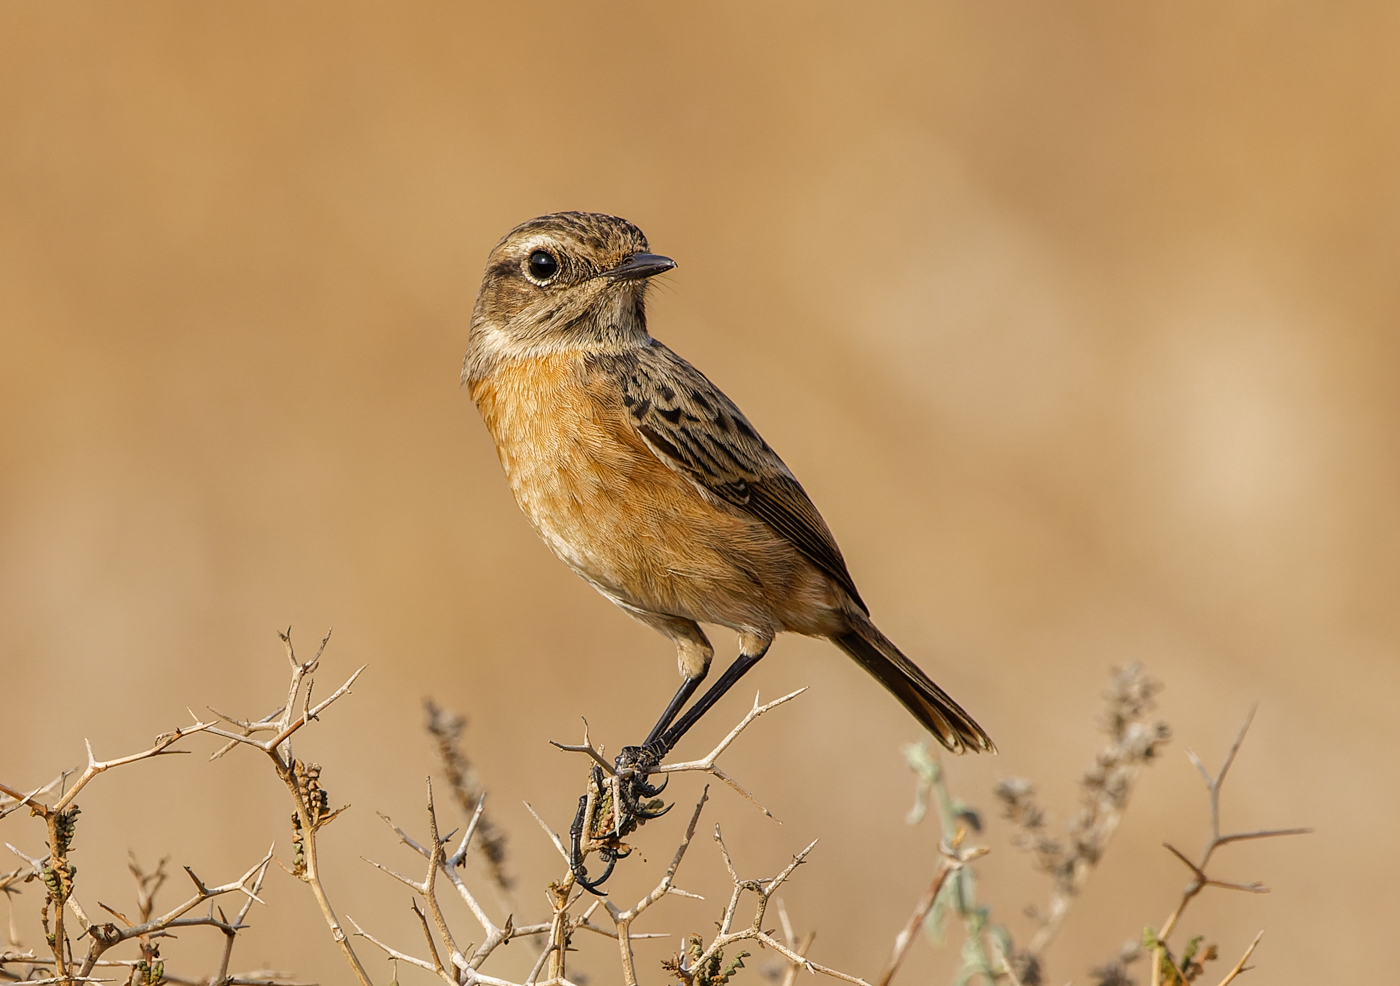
(566, 281)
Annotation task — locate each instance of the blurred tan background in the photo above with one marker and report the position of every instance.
(1077, 320)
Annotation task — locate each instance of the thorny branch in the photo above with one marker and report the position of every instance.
(706, 963)
(699, 965)
(55, 870)
(798, 945)
(1163, 963)
(310, 800)
(446, 729)
(273, 735)
(622, 920)
(706, 764)
(58, 876)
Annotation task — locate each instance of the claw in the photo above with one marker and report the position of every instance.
(581, 878)
(633, 807)
(634, 763)
(649, 790)
(576, 866)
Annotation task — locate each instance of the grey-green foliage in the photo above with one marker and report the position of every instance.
(984, 944)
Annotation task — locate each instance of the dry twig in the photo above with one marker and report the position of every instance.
(550, 968)
(764, 888)
(950, 861)
(706, 764)
(312, 805)
(446, 730)
(58, 876)
(1200, 879)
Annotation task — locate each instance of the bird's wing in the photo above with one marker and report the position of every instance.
(692, 427)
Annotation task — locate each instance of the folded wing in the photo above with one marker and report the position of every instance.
(691, 426)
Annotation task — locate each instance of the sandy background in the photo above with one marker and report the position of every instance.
(1077, 320)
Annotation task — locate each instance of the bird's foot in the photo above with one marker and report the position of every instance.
(633, 765)
(603, 829)
(590, 833)
(610, 853)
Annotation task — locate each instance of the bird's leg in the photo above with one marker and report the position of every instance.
(634, 763)
(637, 761)
(642, 756)
(693, 653)
(715, 692)
(687, 689)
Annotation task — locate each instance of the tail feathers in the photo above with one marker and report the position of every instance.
(928, 703)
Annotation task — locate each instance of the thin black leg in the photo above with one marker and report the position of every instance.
(634, 763)
(716, 691)
(682, 695)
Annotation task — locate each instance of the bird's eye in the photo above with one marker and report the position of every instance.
(543, 266)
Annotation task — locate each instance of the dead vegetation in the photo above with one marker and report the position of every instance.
(111, 945)
(1069, 856)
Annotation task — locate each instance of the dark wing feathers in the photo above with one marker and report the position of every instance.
(691, 426)
(783, 505)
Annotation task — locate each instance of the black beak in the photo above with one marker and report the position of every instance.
(639, 266)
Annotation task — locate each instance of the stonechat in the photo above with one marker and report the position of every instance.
(646, 480)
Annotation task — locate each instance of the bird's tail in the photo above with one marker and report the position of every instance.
(928, 703)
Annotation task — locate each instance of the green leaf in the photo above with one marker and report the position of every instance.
(1192, 947)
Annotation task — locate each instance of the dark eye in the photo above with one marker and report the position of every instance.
(543, 266)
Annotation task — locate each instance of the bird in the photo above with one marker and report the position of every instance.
(650, 483)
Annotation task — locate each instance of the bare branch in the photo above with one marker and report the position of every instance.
(708, 761)
(588, 748)
(1235, 746)
(161, 747)
(428, 936)
(764, 888)
(1261, 834)
(430, 884)
(539, 965)
(20, 800)
(204, 893)
(706, 764)
(461, 851)
(1239, 966)
(622, 920)
(1200, 878)
(548, 831)
(267, 722)
(401, 956)
(288, 730)
(906, 934)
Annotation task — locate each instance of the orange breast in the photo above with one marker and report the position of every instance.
(638, 531)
